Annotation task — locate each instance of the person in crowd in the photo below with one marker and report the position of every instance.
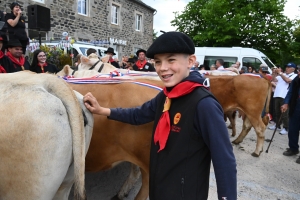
(142, 64)
(238, 64)
(123, 63)
(3, 31)
(16, 25)
(202, 67)
(195, 66)
(3, 58)
(264, 72)
(213, 67)
(40, 65)
(219, 64)
(130, 64)
(283, 80)
(272, 105)
(189, 128)
(111, 52)
(251, 70)
(77, 62)
(243, 70)
(292, 103)
(17, 61)
(235, 66)
(90, 51)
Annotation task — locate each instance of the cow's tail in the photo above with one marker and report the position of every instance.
(59, 88)
(266, 118)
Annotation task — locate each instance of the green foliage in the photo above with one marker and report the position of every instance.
(258, 24)
(154, 35)
(56, 56)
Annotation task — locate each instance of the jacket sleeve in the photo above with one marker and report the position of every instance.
(288, 96)
(136, 116)
(209, 121)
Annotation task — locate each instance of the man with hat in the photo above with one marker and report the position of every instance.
(16, 57)
(283, 80)
(16, 25)
(142, 64)
(4, 61)
(292, 102)
(111, 52)
(264, 72)
(189, 129)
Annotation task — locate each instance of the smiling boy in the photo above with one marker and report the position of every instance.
(189, 129)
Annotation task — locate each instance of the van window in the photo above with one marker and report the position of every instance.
(268, 62)
(228, 61)
(250, 61)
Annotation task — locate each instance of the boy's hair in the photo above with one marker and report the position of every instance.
(221, 61)
(171, 42)
(90, 51)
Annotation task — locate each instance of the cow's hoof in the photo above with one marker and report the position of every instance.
(233, 135)
(255, 154)
(115, 197)
(229, 126)
(235, 142)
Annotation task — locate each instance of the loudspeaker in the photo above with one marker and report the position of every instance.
(38, 17)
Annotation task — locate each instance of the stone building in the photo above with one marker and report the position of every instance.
(126, 24)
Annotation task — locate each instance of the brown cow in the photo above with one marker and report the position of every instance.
(114, 142)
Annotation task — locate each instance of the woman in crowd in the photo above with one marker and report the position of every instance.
(250, 69)
(16, 25)
(39, 64)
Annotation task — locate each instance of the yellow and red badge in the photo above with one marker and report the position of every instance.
(177, 118)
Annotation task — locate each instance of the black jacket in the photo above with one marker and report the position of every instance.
(147, 68)
(49, 68)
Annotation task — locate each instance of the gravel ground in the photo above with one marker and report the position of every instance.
(271, 176)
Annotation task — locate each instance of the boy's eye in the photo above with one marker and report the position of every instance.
(171, 60)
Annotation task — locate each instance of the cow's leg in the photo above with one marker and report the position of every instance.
(144, 191)
(231, 116)
(131, 180)
(246, 128)
(65, 188)
(260, 133)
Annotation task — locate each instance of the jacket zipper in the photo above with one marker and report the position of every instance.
(182, 184)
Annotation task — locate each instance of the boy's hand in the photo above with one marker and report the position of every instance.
(92, 104)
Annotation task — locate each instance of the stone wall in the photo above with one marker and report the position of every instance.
(97, 24)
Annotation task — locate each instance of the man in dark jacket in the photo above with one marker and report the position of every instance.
(17, 61)
(292, 102)
(142, 64)
(111, 52)
(189, 129)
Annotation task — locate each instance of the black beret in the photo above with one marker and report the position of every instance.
(171, 42)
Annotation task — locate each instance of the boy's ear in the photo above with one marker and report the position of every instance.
(191, 60)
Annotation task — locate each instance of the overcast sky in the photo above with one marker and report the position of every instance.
(165, 9)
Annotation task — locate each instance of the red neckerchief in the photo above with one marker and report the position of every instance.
(14, 60)
(111, 60)
(1, 54)
(140, 64)
(42, 66)
(163, 127)
(2, 70)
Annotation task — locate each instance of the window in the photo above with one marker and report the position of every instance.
(82, 7)
(138, 22)
(250, 61)
(115, 14)
(40, 1)
(228, 61)
(268, 62)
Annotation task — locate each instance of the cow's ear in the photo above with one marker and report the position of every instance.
(84, 59)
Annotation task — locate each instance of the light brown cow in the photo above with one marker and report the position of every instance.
(119, 142)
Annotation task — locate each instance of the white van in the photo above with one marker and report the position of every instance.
(78, 47)
(230, 55)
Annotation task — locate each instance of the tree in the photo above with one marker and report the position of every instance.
(154, 35)
(258, 24)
